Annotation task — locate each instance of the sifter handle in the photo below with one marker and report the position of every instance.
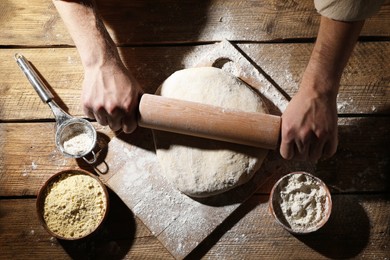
(32, 76)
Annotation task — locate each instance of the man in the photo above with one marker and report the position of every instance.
(309, 124)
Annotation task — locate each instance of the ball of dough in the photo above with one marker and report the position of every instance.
(201, 167)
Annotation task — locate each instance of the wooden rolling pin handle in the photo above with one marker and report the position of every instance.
(206, 121)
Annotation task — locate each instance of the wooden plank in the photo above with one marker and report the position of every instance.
(31, 23)
(60, 68)
(364, 151)
(122, 235)
(361, 162)
(37, 23)
(28, 157)
(365, 83)
(358, 228)
(364, 87)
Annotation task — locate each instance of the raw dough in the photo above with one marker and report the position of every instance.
(200, 167)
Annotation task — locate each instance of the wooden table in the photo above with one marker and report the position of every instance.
(154, 38)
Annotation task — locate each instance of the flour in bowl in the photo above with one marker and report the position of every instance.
(303, 202)
(74, 205)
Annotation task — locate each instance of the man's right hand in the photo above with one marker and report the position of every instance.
(110, 95)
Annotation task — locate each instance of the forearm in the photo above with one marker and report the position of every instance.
(309, 123)
(333, 47)
(91, 38)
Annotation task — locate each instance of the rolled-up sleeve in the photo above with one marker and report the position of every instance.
(348, 10)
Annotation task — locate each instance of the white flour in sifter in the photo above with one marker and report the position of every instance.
(78, 144)
(303, 202)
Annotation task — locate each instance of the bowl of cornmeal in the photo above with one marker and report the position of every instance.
(300, 202)
(72, 204)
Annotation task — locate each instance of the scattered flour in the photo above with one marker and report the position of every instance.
(74, 205)
(78, 144)
(34, 166)
(303, 202)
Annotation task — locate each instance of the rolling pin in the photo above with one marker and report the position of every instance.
(207, 121)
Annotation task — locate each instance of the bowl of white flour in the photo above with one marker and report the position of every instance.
(300, 202)
(72, 204)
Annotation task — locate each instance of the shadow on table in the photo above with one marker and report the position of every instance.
(153, 26)
(346, 233)
(360, 165)
(100, 150)
(362, 161)
(208, 243)
(112, 241)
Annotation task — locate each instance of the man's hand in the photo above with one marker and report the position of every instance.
(111, 95)
(309, 126)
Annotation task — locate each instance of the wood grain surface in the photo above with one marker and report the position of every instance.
(156, 38)
(36, 22)
(361, 231)
(364, 85)
(29, 157)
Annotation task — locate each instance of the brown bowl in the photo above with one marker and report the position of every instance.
(72, 204)
(300, 202)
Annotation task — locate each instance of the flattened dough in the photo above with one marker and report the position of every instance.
(200, 167)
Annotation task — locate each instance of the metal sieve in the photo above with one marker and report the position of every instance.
(67, 126)
(73, 127)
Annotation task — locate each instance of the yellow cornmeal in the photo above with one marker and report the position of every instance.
(74, 205)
